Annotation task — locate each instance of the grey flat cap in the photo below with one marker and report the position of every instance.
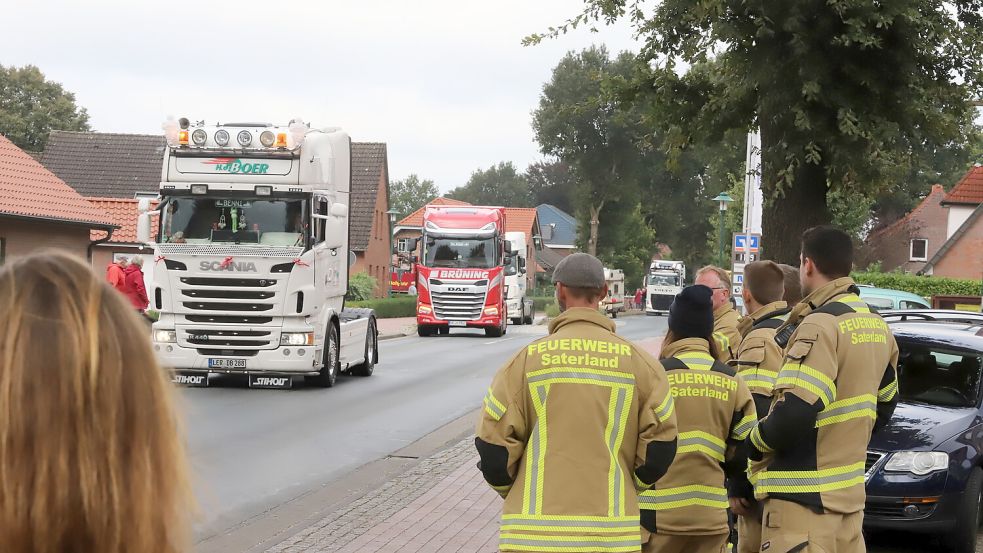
(579, 270)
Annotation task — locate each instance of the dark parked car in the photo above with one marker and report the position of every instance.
(924, 468)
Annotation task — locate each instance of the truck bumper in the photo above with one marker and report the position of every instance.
(483, 322)
(282, 360)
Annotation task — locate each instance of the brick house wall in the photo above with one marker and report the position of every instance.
(964, 258)
(20, 237)
(892, 245)
(376, 257)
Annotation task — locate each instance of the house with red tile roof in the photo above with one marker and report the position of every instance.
(38, 210)
(123, 242)
(961, 256)
(517, 219)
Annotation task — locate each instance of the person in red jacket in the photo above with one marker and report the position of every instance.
(639, 299)
(133, 286)
(115, 275)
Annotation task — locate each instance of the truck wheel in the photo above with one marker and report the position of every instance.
(371, 352)
(516, 321)
(528, 320)
(494, 332)
(962, 539)
(614, 314)
(328, 374)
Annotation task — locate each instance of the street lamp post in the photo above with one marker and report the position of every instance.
(722, 200)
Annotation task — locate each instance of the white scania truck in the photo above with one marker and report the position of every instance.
(251, 256)
(517, 301)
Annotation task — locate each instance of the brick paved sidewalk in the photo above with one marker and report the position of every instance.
(441, 505)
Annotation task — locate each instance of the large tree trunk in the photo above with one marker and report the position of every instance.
(595, 212)
(799, 208)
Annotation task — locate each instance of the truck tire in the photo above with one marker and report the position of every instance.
(495, 332)
(962, 539)
(371, 352)
(528, 320)
(614, 314)
(424, 330)
(328, 374)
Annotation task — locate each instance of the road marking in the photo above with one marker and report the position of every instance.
(499, 341)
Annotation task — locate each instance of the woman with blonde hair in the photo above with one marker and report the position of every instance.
(91, 460)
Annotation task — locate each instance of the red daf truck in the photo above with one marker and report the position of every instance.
(460, 270)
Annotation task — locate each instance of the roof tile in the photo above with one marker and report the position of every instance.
(969, 190)
(369, 165)
(106, 165)
(28, 189)
(123, 212)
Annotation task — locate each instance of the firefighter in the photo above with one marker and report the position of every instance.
(574, 426)
(725, 317)
(758, 361)
(686, 512)
(837, 385)
(793, 289)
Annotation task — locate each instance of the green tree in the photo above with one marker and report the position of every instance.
(843, 91)
(500, 184)
(552, 182)
(32, 106)
(628, 241)
(579, 122)
(409, 194)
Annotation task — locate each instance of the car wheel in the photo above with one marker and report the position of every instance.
(371, 350)
(962, 539)
(328, 374)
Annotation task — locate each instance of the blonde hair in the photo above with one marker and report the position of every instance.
(91, 458)
(721, 274)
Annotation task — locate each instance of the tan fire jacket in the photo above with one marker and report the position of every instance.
(725, 322)
(837, 384)
(572, 427)
(715, 413)
(759, 358)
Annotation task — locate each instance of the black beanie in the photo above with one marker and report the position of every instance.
(691, 313)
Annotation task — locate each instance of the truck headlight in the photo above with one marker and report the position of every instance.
(491, 311)
(917, 462)
(425, 309)
(297, 339)
(165, 336)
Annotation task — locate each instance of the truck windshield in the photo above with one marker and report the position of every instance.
(478, 253)
(663, 280)
(257, 220)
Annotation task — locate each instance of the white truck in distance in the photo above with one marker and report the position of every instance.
(517, 302)
(664, 280)
(614, 303)
(251, 256)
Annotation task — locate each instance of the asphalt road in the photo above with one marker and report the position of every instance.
(253, 450)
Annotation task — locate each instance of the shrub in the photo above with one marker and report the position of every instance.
(540, 303)
(925, 286)
(361, 287)
(552, 310)
(389, 308)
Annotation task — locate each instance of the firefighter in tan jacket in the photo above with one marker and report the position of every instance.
(574, 426)
(725, 318)
(686, 511)
(759, 360)
(838, 384)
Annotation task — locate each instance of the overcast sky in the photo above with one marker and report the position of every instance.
(447, 84)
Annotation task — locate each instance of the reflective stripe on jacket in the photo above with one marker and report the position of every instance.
(571, 428)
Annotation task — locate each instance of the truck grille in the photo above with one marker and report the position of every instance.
(226, 319)
(458, 306)
(228, 295)
(228, 338)
(660, 302)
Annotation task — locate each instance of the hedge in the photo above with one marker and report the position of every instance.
(925, 286)
(389, 308)
(541, 303)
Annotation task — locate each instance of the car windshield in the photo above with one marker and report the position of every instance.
(938, 376)
(478, 253)
(206, 220)
(663, 280)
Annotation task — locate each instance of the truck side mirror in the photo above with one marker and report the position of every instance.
(334, 232)
(508, 247)
(522, 265)
(414, 258)
(507, 260)
(412, 243)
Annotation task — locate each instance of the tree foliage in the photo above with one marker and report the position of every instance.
(580, 123)
(361, 287)
(552, 182)
(32, 106)
(409, 194)
(845, 92)
(500, 184)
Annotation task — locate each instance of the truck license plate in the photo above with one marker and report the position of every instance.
(191, 380)
(226, 363)
(457, 323)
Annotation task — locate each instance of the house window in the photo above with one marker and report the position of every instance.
(919, 249)
(403, 245)
(3, 250)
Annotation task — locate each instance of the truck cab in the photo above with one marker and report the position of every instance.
(518, 304)
(461, 280)
(251, 256)
(663, 281)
